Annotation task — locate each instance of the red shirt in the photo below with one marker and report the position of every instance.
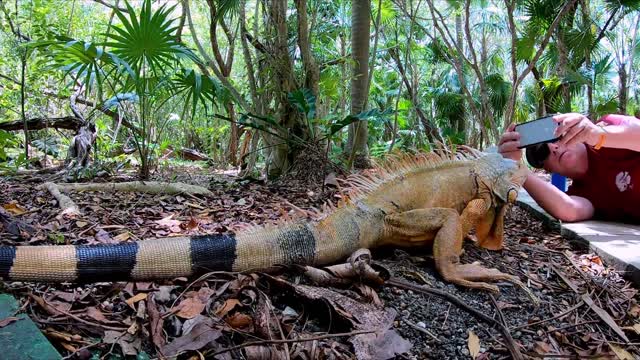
(612, 182)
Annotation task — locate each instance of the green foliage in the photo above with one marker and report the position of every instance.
(304, 101)
(147, 41)
(6, 140)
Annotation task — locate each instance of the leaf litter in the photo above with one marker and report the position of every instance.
(587, 308)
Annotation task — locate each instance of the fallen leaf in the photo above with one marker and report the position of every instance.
(6, 321)
(192, 224)
(228, 305)
(135, 299)
(473, 343)
(190, 308)
(81, 224)
(635, 310)
(201, 335)
(96, 314)
(620, 352)
(122, 237)
(14, 209)
(156, 323)
(66, 296)
(169, 223)
(103, 237)
(542, 348)
(239, 320)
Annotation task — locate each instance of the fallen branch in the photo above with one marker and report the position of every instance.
(68, 206)
(151, 187)
(39, 123)
(515, 352)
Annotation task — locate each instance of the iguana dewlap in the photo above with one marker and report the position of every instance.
(423, 200)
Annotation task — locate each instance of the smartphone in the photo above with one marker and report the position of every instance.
(538, 131)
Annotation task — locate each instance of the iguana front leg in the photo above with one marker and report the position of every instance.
(447, 225)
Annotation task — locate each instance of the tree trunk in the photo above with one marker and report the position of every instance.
(360, 31)
(23, 63)
(623, 96)
(459, 125)
(282, 66)
(586, 19)
(311, 69)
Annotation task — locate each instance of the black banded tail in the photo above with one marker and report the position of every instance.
(145, 260)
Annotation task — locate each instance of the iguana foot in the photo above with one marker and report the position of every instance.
(474, 276)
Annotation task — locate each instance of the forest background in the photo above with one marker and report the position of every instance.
(265, 86)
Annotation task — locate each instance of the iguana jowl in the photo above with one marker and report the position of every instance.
(418, 200)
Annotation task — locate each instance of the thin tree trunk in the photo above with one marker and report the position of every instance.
(358, 131)
(23, 63)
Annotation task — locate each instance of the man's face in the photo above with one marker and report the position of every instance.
(568, 161)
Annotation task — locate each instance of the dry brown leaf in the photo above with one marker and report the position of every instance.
(192, 224)
(157, 322)
(96, 314)
(14, 209)
(135, 299)
(228, 305)
(473, 343)
(66, 296)
(190, 308)
(169, 223)
(239, 321)
(103, 237)
(122, 237)
(201, 335)
(542, 348)
(620, 352)
(6, 321)
(81, 224)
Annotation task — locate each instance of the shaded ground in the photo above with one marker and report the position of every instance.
(224, 310)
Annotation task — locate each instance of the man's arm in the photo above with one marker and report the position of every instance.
(558, 204)
(620, 131)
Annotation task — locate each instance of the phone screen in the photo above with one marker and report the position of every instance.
(537, 131)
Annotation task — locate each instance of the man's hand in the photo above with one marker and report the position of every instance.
(577, 128)
(509, 142)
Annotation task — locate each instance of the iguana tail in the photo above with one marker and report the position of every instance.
(257, 249)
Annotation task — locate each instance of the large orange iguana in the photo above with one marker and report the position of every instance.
(431, 199)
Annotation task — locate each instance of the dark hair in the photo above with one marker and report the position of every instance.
(537, 154)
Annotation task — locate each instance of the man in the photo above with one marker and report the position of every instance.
(602, 160)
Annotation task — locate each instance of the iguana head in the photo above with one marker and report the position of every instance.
(502, 178)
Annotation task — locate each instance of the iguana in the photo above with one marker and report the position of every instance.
(419, 200)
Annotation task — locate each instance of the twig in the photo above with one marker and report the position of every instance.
(82, 348)
(507, 334)
(42, 302)
(515, 352)
(290, 341)
(577, 324)
(422, 330)
(566, 312)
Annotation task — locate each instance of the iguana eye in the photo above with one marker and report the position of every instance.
(512, 195)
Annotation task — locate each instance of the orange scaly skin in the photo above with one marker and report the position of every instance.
(436, 202)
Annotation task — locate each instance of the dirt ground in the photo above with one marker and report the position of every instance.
(586, 309)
